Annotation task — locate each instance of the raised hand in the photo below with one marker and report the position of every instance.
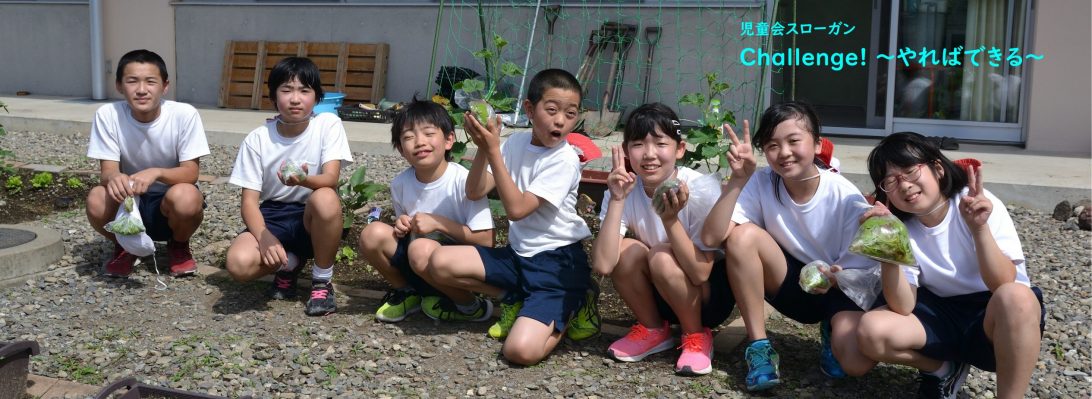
(975, 208)
(741, 155)
(620, 182)
(485, 137)
(877, 210)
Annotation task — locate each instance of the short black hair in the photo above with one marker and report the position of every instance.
(644, 120)
(786, 111)
(418, 112)
(551, 79)
(301, 68)
(906, 149)
(143, 57)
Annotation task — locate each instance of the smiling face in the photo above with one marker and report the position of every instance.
(143, 86)
(653, 158)
(791, 150)
(553, 116)
(295, 101)
(423, 145)
(914, 189)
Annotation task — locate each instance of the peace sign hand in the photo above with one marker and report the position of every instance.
(975, 207)
(620, 182)
(741, 155)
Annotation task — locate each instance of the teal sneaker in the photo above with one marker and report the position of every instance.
(509, 312)
(446, 310)
(828, 364)
(763, 370)
(397, 305)
(585, 323)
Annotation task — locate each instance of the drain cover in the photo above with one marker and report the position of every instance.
(14, 237)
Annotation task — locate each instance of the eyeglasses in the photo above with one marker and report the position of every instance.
(889, 183)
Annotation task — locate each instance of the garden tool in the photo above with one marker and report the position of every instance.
(552, 12)
(652, 35)
(628, 36)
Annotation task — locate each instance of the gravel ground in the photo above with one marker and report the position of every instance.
(210, 335)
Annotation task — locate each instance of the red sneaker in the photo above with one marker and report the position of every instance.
(181, 259)
(121, 264)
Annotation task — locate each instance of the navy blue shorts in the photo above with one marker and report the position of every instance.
(713, 312)
(553, 284)
(953, 327)
(806, 308)
(155, 223)
(400, 261)
(285, 221)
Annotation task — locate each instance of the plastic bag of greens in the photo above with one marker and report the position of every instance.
(812, 277)
(292, 168)
(860, 285)
(128, 228)
(884, 238)
(482, 110)
(672, 185)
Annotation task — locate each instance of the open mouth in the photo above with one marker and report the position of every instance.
(555, 134)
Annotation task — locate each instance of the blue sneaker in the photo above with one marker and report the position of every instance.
(827, 363)
(763, 370)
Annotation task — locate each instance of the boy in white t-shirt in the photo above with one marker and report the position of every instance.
(149, 148)
(431, 208)
(542, 276)
(300, 213)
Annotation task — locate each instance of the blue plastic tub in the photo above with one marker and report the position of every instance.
(329, 103)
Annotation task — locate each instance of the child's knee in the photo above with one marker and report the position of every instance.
(419, 253)
(522, 352)
(374, 235)
(1016, 302)
(243, 265)
(97, 204)
(871, 335)
(183, 200)
(743, 236)
(324, 201)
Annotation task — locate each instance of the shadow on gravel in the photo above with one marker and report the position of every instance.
(238, 297)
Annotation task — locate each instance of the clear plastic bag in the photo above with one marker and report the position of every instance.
(860, 285)
(812, 277)
(482, 110)
(128, 228)
(672, 185)
(292, 168)
(884, 238)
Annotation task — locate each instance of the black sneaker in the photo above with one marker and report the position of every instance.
(322, 299)
(933, 387)
(284, 286)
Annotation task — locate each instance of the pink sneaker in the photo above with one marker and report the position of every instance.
(641, 342)
(697, 354)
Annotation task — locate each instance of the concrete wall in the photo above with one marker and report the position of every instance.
(694, 41)
(45, 49)
(1058, 119)
(137, 24)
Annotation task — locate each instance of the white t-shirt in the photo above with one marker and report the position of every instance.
(820, 229)
(176, 135)
(638, 214)
(946, 252)
(444, 197)
(263, 150)
(552, 174)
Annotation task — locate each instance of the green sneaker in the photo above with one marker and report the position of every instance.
(398, 304)
(509, 312)
(446, 310)
(585, 323)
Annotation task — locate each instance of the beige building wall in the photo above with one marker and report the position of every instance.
(1061, 87)
(137, 24)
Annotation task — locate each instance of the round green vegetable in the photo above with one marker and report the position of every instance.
(884, 239)
(482, 110)
(671, 184)
(812, 278)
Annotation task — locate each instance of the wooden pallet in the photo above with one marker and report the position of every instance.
(356, 69)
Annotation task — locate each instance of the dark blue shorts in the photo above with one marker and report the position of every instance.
(716, 310)
(400, 261)
(954, 330)
(806, 308)
(553, 284)
(285, 221)
(155, 223)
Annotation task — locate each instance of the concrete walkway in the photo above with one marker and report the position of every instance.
(1017, 176)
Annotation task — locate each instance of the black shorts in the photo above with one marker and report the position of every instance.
(400, 262)
(151, 212)
(553, 284)
(285, 221)
(806, 308)
(714, 311)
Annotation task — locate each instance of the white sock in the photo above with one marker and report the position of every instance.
(293, 262)
(468, 308)
(322, 274)
(943, 370)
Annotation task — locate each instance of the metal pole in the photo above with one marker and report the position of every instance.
(98, 65)
(526, 62)
(435, 40)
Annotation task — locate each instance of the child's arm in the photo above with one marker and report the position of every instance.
(517, 204)
(608, 245)
(741, 159)
(269, 247)
(425, 223)
(185, 172)
(900, 295)
(331, 171)
(697, 264)
(996, 268)
(479, 182)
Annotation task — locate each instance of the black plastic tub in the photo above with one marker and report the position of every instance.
(14, 366)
